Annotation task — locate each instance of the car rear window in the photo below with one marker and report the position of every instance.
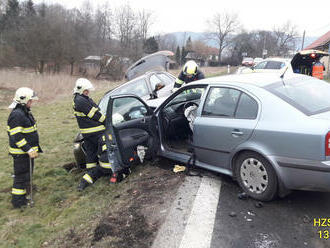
(274, 65)
(310, 96)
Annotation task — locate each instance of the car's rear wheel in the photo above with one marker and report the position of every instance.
(256, 176)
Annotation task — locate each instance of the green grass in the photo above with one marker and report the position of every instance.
(58, 206)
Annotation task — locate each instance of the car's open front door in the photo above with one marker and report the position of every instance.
(130, 123)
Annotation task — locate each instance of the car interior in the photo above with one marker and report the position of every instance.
(176, 117)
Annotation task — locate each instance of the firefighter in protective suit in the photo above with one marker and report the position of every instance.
(90, 119)
(189, 73)
(103, 168)
(23, 143)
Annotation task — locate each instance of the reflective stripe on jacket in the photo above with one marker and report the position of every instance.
(182, 78)
(22, 131)
(90, 119)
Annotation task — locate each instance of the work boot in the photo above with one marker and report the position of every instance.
(19, 201)
(82, 185)
(120, 176)
(116, 178)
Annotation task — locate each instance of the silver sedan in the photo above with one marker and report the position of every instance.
(271, 133)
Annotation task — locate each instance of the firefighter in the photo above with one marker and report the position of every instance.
(103, 168)
(90, 119)
(189, 73)
(23, 143)
(317, 69)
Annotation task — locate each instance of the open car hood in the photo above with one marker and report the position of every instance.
(155, 61)
(304, 57)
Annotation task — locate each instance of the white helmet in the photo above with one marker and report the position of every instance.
(83, 84)
(190, 68)
(23, 95)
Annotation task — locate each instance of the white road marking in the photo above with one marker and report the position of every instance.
(199, 229)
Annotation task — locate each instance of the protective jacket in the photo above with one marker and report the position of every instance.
(90, 119)
(22, 131)
(183, 78)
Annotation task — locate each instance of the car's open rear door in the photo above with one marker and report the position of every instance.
(130, 123)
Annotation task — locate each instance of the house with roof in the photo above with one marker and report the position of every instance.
(323, 44)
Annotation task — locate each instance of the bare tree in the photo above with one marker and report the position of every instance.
(104, 28)
(286, 35)
(222, 26)
(144, 23)
(125, 21)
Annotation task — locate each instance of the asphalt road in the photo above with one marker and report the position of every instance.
(282, 223)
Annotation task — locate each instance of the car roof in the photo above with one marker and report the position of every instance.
(256, 79)
(278, 59)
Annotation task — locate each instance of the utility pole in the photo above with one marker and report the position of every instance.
(264, 53)
(303, 40)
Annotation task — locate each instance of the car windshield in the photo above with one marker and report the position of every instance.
(310, 96)
(137, 87)
(274, 65)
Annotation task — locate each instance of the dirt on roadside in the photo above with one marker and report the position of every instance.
(139, 211)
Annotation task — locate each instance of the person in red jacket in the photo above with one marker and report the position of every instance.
(317, 69)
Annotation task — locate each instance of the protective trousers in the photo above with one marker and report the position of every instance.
(91, 144)
(102, 169)
(21, 183)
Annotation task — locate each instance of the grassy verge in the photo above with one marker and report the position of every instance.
(60, 213)
(59, 206)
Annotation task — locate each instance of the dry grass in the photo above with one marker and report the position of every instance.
(48, 87)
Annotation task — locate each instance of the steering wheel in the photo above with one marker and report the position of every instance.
(188, 104)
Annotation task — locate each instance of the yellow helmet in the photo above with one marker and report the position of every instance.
(190, 68)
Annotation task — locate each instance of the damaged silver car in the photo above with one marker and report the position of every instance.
(270, 132)
(151, 86)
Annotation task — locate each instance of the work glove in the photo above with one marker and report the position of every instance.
(33, 153)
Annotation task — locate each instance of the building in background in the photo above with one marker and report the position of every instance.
(322, 44)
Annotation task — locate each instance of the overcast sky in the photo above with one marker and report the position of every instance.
(182, 15)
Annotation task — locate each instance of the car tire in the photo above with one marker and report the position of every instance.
(256, 176)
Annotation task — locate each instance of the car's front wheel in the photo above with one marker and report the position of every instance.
(256, 176)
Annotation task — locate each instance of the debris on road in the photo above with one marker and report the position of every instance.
(179, 168)
(259, 204)
(247, 219)
(251, 213)
(242, 196)
(232, 214)
(307, 219)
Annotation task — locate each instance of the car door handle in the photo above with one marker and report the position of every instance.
(236, 132)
